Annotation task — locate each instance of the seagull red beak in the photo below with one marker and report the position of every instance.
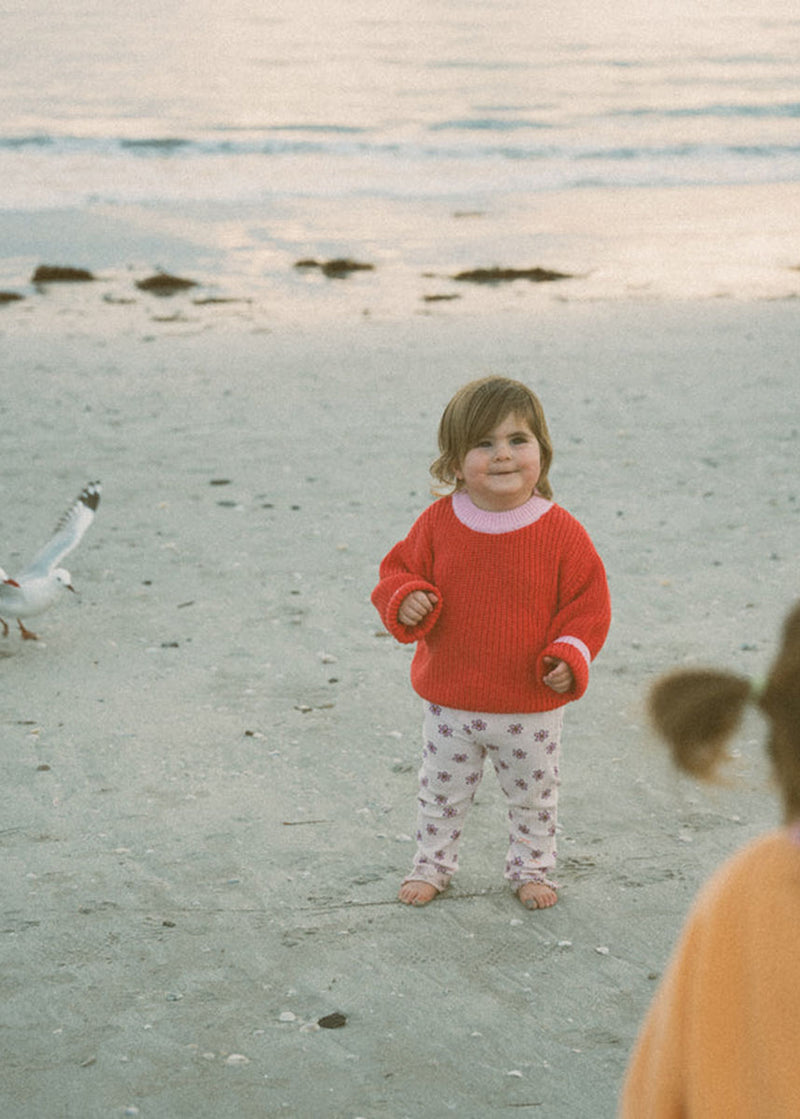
(11, 582)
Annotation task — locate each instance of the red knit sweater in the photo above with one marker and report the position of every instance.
(506, 599)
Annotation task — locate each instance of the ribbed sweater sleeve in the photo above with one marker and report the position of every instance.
(408, 567)
(583, 615)
(504, 602)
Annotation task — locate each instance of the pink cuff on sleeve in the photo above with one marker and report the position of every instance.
(576, 654)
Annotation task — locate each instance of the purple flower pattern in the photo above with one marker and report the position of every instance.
(524, 752)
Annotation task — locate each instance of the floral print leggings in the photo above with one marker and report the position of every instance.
(524, 750)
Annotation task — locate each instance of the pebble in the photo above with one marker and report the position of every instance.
(287, 1016)
(602, 950)
(237, 1059)
(332, 1021)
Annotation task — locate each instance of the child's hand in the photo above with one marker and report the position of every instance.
(559, 676)
(415, 607)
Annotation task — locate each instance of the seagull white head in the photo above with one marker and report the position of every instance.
(63, 578)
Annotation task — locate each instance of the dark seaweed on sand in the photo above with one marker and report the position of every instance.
(164, 284)
(504, 275)
(55, 274)
(337, 268)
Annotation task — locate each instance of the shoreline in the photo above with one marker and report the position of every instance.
(652, 245)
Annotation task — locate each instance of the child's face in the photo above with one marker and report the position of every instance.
(502, 470)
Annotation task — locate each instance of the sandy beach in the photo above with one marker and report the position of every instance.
(208, 773)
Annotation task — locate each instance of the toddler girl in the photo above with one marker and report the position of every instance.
(507, 600)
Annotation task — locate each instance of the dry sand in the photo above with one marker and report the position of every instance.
(208, 763)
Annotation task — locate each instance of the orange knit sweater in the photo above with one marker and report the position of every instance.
(506, 599)
(721, 1038)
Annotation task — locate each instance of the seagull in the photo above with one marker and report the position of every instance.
(39, 586)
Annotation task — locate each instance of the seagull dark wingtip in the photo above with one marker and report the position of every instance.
(90, 495)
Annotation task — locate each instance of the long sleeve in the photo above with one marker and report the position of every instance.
(581, 622)
(407, 567)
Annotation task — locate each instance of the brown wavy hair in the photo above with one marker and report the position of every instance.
(475, 410)
(697, 711)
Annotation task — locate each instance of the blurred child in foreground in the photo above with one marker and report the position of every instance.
(721, 1039)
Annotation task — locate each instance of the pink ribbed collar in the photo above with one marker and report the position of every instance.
(482, 520)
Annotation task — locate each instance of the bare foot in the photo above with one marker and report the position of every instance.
(417, 893)
(537, 895)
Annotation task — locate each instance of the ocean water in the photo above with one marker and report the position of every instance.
(108, 102)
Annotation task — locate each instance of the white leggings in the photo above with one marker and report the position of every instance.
(524, 750)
